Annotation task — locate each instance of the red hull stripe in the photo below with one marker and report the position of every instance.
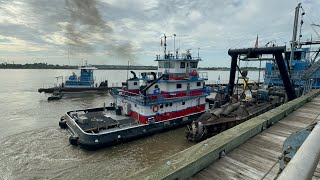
(168, 115)
(134, 91)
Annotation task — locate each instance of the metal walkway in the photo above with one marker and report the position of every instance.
(253, 159)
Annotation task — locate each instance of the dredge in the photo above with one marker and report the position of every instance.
(235, 109)
(290, 74)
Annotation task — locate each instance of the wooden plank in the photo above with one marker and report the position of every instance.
(235, 171)
(283, 128)
(257, 157)
(252, 162)
(308, 110)
(317, 103)
(208, 175)
(304, 115)
(302, 120)
(221, 172)
(274, 137)
(310, 105)
(268, 138)
(299, 125)
(244, 168)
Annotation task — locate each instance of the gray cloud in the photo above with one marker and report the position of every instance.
(5, 40)
(131, 29)
(84, 24)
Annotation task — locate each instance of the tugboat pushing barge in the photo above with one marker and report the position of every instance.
(75, 84)
(151, 103)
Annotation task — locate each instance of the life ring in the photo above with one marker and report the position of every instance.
(155, 108)
(194, 72)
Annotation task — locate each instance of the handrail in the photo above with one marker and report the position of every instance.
(149, 98)
(305, 161)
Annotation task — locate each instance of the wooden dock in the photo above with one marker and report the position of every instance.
(253, 159)
(246, 151)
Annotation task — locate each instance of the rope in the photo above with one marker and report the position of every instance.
(264, 176)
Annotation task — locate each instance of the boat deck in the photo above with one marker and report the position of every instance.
(253, 159)
(101, 120)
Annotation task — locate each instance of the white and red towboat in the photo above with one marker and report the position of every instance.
(151, 103)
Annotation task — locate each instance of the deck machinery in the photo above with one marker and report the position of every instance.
(236, 109)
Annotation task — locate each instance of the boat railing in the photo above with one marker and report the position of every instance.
(81, 78)
(179, 56)
(218, 82)
(156, 98)
(276, 75)
(50, 85)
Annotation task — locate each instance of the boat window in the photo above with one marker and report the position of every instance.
(303, 55)
(193, 64)
(166, 64)
(135, 105)
(156, 86)
(171, 64)
(167, 105)
(183, 103)
(161, 64)
(161, 106)
(297, 55)
(135, 83)
(179, 86)
(204, 83)
(198, 83)
(170, 104)
(187, 64)
(182, 65)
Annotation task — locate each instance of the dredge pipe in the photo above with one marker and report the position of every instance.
(231, 108)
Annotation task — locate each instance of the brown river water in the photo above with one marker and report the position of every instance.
(32, 146)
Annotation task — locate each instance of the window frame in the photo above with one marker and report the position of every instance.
(183, 65)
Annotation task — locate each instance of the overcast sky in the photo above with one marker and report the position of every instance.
(115, 31)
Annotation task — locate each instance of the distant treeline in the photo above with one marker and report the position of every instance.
(228, 69)
(117, 67)
(35, 66)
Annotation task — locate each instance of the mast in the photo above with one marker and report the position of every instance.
(294, 35)
(301, 23)
(165, 45)
(174, 43)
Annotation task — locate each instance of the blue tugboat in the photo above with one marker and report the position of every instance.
(83, 83)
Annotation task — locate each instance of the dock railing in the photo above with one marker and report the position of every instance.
(305, 161)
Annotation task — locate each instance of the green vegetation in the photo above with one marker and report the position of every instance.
(228, 69)
(35, 66)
